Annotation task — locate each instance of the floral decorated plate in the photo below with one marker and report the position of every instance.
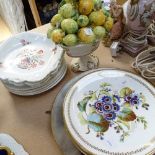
(28, 57)
(31, 86)
(45, 87)
(111, 112)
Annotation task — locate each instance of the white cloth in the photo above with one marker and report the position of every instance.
(12, 12)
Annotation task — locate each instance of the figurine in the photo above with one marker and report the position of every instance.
(140, 14)
(119, 20)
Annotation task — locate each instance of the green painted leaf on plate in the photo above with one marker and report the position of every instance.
(81, 118)
(126, 124)
(127, 105)
(82, 104)
(93, 97)
(125, 92)
(92, 110)
(103, 92)
(127, 115)
(99, 127)
(105, 84)
(97, 123)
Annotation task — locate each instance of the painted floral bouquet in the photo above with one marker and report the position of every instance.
(103, 109)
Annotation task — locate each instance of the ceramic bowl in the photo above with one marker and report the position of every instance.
(81, 49)
(83, 60)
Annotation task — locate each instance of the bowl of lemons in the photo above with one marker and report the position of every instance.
(78, 28)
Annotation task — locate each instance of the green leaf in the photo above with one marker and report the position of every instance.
(123, 136)
(127, 115)
(81, 118)
(82, 104)
(97, 123)
(124, 123)
(103, 92)
(127, 105)
(143, 121)
(99, 127)
(145, 105)
(105, 84)
(143, 98)
(114, 99)
(93, 97)
(92, 110)
(125, 92)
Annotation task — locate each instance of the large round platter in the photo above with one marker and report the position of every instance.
(28, 57)
(57, 123)
(111, 112)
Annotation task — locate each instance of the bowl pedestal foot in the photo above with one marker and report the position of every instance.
(84, 63)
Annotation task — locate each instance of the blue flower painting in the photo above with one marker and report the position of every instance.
(111, 109)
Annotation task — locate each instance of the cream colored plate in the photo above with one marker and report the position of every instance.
(28, 57)
(111, 112)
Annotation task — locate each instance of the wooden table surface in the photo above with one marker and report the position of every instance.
(25, 118)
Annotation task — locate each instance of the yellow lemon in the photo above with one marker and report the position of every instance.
(69, 25)
(57, 35)
(86, 6)
(86, 35)
(100, 32)
(109, 24)
(97, 18)
(56, 20)
(83, 20)
(70, 40)
(67, 10)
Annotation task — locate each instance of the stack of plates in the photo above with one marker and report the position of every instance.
(31, 64)
(110, 112)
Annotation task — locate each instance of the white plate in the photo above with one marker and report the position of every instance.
(111, 112)
(28, 57)
(28, 87)
(53, 82)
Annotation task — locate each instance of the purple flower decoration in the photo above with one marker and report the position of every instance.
(110, 116)
(99, 106)
(107, 107)
(107, 99)
(117, 97)
(127, 98)
(132, 99)
(116, 107)
(135, 101)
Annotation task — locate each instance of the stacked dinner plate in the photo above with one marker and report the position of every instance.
(112, 112)
(31, 64)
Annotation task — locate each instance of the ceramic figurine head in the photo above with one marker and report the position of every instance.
(140, 14)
